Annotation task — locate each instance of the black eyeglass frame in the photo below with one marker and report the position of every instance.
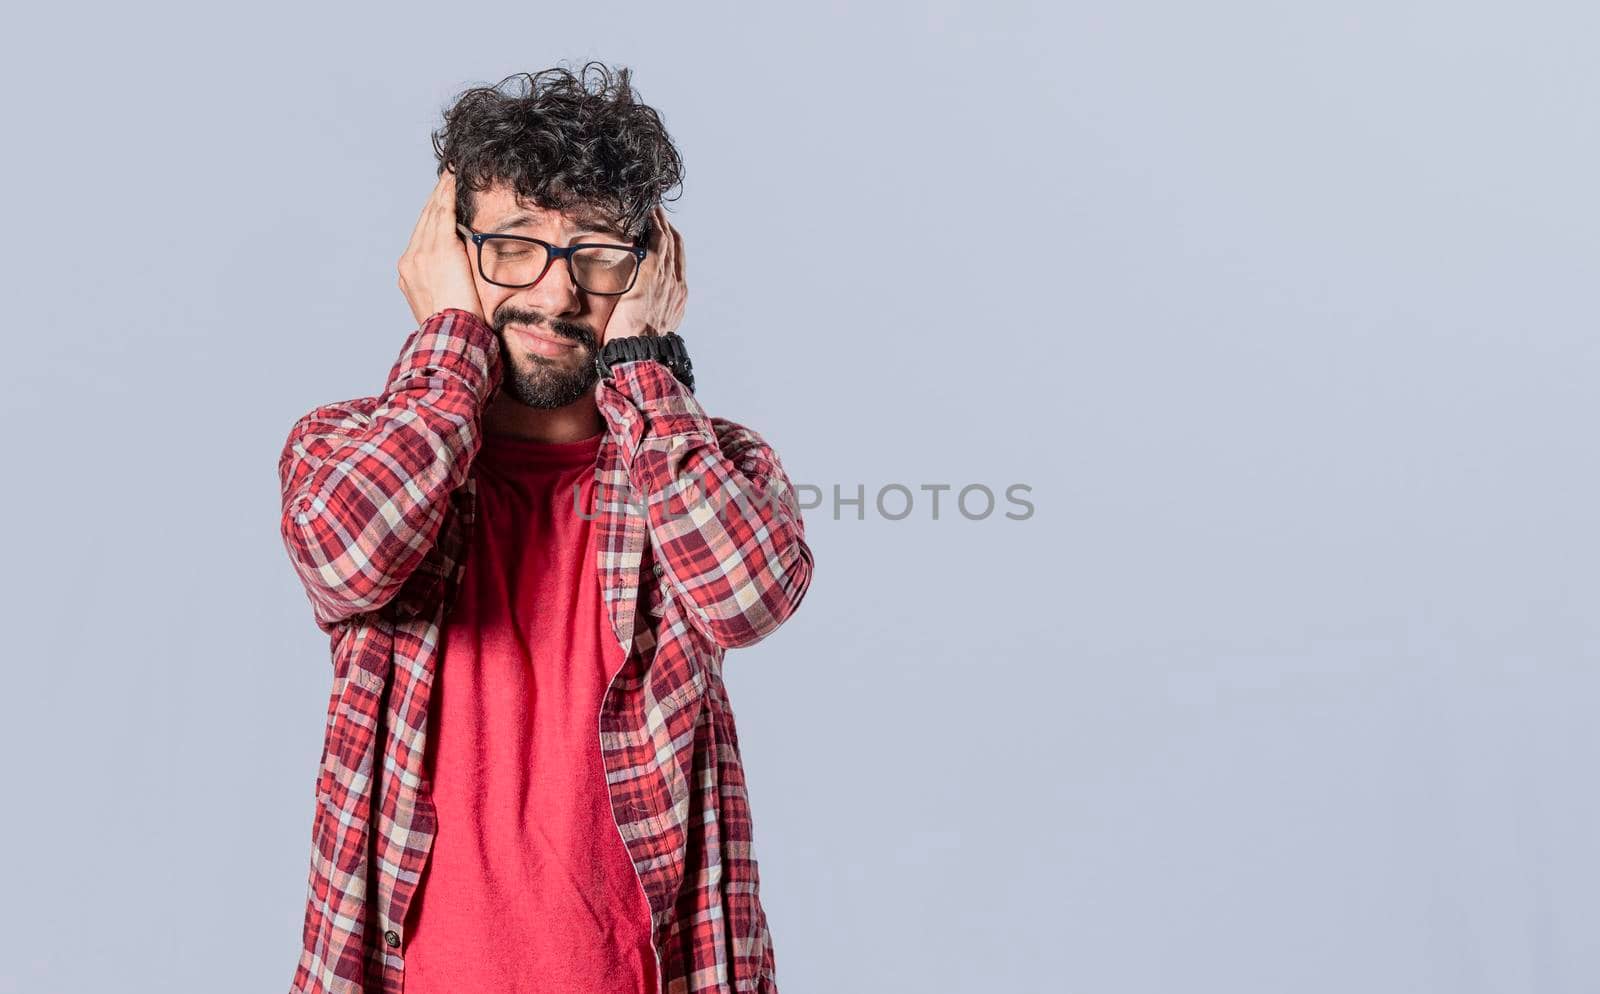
(552, 253)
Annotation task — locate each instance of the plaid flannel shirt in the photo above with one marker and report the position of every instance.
(701, 549)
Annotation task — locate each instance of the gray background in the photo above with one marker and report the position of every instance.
(1285, 313)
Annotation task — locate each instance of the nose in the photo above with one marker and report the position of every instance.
(555, 293)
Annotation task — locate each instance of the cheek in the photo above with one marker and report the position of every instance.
(490, 296)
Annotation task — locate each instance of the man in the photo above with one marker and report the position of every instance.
(530, 553)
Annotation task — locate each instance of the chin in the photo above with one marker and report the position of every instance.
(544, 386)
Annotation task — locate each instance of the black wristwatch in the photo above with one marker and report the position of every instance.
(666, 349)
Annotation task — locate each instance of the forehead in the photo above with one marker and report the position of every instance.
(500, 209)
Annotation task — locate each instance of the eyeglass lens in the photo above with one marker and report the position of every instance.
(595, 269)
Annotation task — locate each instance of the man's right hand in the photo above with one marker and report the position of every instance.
(436, 269)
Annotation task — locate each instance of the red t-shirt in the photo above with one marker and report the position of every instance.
(529, 887)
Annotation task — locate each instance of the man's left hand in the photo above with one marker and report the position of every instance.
(655, 304)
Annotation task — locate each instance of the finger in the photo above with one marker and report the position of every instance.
(447, 188)
(416, 229)
(420, 230)
(444, 203)
(672, 267)
(440, 225)
(654, 243)
(428, 231)
(677, 252)
(669, 265)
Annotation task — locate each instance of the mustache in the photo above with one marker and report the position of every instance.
(564, 329)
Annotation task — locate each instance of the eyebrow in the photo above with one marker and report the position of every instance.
(590, 225)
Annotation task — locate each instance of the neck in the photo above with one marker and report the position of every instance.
(578, 420)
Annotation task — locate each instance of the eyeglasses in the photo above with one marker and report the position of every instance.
(516, 261)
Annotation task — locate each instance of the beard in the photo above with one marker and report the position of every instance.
(540, 381)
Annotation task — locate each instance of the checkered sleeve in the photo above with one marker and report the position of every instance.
(724, 517)
(365, 483)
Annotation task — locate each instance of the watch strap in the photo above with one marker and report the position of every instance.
(668, 349)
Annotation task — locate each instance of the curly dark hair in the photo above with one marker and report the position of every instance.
(561, 146)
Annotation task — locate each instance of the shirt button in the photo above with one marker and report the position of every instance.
(657, 569)
(392, 937)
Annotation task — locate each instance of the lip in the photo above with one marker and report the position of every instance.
(542, 342)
